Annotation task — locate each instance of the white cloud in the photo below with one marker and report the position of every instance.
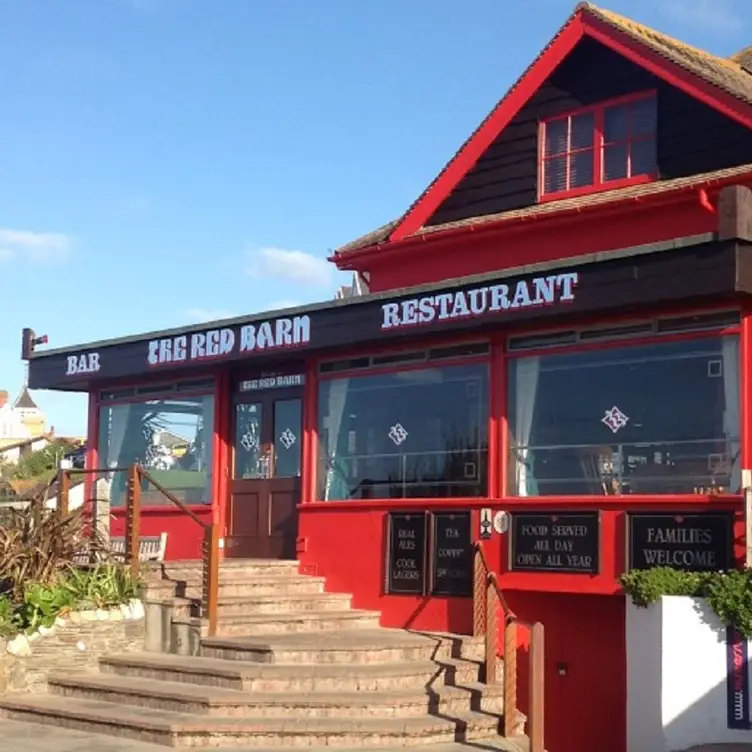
(291, 266)
(201, 315)
(38, 247)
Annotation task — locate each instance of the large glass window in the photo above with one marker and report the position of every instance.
(170, 436)
(410, 434)
(657, 418)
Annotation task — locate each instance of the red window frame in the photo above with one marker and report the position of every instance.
(506, 490)
(598, 184)
(99, 403)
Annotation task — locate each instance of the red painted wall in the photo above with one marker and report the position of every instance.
(184, 536)
(536, 240)
(585, 668)
(583, 615)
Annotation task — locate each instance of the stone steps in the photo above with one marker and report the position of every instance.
(361, 646)
(178, 730)
(292, 666)
(280, 585)
(217, 702)
(306, 622)
(293, 677)
(234, 606)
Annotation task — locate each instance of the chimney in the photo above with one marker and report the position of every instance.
(3, 398)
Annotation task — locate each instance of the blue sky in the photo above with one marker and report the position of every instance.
(168, 161)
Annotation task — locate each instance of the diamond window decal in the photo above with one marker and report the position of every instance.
(615, 419)
(398, 434)
(249, 442)
(287, 438)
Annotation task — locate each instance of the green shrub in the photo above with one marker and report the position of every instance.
(10, 620)
(729, 594)
(102, 586)
(43, 604)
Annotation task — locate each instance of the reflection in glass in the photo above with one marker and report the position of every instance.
(412, 434)
(658, 418)
(171, 438)
(248, 441)
(287, 443)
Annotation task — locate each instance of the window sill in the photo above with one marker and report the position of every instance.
(517, 503)
(590, 190)
(351, 505)
(167, 508)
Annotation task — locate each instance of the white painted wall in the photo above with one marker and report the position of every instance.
(12, 455)
(676, 677)
(75, 498)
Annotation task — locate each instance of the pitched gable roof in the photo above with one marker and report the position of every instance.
(720, 82)
(25, 401)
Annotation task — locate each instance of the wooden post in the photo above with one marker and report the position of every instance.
(536, 710)
(63, 492)
(133, 521)
(510, 678)
(479, 594)
(491, 635)
(210, 595)
(748, 526)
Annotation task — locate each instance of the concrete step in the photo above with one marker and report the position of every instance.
(217, 702)
(356, 646)
(235, 606)
(231, 569)
(32, 737)
(293, 677)
(251, 587)
(177, 730)
(302, 622)
(240, 587)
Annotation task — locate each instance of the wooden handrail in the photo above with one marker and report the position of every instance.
(171, 497)
(487, 599)
(210, 541)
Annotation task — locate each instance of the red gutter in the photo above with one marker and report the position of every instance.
(352, 260)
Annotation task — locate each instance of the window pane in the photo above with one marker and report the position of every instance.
(247, 449)
(660, 418)
(616, 123)
(581, 169)
(583, 131)
(615, 164)
(644, 117)
(555, 171)
(171, 438)
(414, 434)
(642, 157)
(556, 137)
(287, 433)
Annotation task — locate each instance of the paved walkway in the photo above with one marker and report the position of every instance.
(35, 737)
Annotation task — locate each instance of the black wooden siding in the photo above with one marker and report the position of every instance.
(692, 137)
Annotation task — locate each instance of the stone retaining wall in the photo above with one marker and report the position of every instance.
(71, 646)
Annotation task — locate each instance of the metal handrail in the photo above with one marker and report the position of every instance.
(210, 548)
(487, 598)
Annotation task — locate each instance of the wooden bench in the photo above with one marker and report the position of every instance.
(150, 548)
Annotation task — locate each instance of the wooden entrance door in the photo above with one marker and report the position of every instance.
(265, 486)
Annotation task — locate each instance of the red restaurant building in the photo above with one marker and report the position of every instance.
(554, 354)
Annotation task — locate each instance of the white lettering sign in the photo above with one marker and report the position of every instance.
(84, 363)
(540, 291)
(214, 344)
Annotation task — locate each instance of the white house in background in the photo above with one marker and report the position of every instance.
(75, 494)
(12, 453)
(20, 420)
